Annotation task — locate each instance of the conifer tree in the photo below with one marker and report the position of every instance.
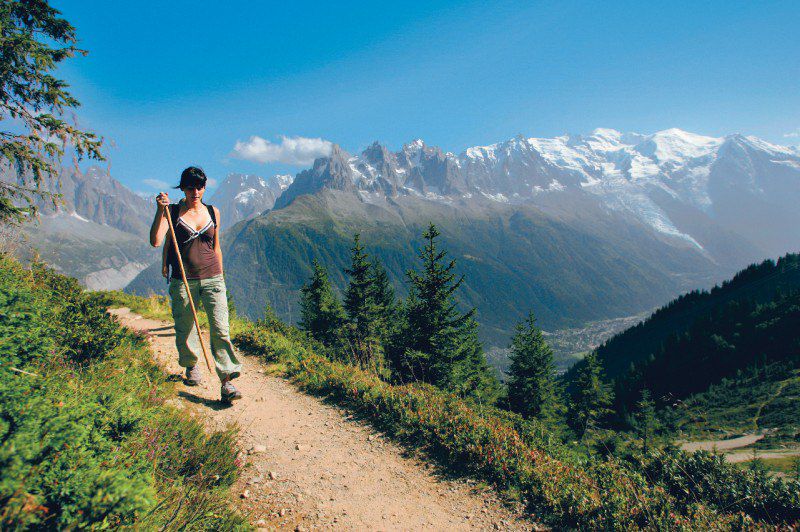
(438, 343)
(384, 298)
(37, 104)
(359, 299)
(645, 420)
(322, 313)
(532, 385)
(592, 397)
(362, 333)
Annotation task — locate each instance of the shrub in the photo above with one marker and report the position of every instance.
(709, 478)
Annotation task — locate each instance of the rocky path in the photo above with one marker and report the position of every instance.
(311, 466)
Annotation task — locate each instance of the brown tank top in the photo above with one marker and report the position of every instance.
(197, 248)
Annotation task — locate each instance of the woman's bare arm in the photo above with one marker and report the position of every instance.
(159, 228)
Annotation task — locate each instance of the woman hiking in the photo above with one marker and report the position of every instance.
(197, 232)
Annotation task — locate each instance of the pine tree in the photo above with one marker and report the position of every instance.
(532, 385)
(384, 298)
(363, 313)
(270, 319)
(645, 420)
(439, 344)
(358, 299)
(34, 41)
(592, 398)
(322, 313)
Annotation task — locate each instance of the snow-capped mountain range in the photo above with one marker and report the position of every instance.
(671, 180)
(242, 196)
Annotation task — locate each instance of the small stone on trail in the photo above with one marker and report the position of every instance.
(272, 475)
(261, 522)
(256, 449)
(300, 528)
(282, 512)
(371, 437)
(255, 480)
(245, 494)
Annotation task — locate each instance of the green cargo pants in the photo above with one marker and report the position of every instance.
(212, 293)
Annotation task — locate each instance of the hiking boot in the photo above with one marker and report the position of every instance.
(193, 376)
(229, 392)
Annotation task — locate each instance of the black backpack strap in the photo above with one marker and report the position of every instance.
(174, 210)
(212, 214)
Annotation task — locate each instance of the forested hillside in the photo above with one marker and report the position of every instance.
(703, 337)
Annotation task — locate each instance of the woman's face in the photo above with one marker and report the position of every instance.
(192, 194)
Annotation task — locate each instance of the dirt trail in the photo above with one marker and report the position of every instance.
(721, 445)
(745, 456)
(311, 466)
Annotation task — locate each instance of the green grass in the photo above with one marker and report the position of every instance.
(88, 438)
(155, 307)
(768, 398)
(787, 465)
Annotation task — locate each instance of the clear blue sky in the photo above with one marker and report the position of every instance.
(178, 83)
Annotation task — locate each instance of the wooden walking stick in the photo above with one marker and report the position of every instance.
(186, 284)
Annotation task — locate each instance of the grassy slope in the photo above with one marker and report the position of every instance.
(87, 436)
(758, 399)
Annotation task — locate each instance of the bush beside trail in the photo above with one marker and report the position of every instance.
(86, 439)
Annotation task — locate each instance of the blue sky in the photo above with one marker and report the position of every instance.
(180, 83)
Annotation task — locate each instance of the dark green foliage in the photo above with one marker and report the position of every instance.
(757, 284)
(86, 331)
(322, 313)
(385, 303)
(437, 343)
(736, 336)
(704, 338)
(591, 399)
(531, 384)
(361, 337)
(702, 476)
(33, 41)
(359, 299)
(644, 420)
(753, 399)
(231, 306)
(85, 441)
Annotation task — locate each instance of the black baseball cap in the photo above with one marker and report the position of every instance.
(192, 177)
